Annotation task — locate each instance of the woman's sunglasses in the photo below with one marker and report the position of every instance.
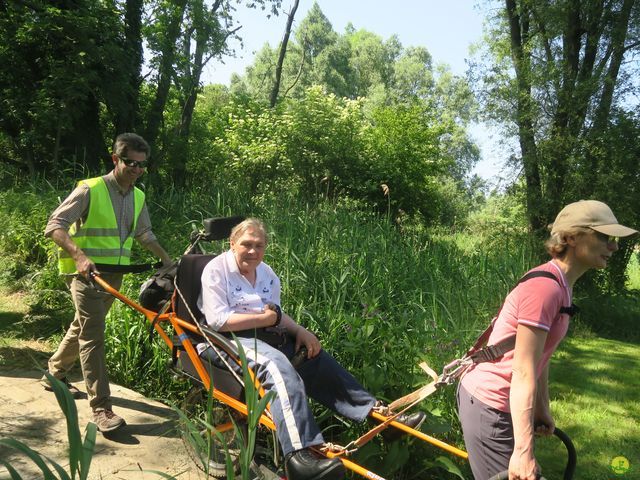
(606, 238)
(133, 163)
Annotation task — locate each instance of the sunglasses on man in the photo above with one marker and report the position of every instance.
(133, 163)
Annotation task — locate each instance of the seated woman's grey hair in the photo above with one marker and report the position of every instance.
(245, 225)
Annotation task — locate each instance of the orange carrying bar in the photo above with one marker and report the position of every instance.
(179, 325)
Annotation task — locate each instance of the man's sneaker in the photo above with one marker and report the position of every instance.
(106, 420)
(73, 390)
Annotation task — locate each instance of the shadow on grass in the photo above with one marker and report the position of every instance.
(8, 320)
(20, 360)
(34, 325)
(614, 317)
(27, 317)
(601, 370)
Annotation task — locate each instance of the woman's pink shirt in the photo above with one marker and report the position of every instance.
(535, 303)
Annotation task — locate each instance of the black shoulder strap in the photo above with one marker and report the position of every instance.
(536, 274)
(571, 310)
(489, 353)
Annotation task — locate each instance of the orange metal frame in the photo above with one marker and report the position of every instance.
(179, 326)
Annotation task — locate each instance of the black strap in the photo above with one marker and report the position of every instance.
(142, 267)
(275, 336)
(536, 274)
(177, 347)
(570, 310)
(152, 328)
(489, 353)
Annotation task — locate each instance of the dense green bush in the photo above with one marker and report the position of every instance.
(395, 158)
(24, 214)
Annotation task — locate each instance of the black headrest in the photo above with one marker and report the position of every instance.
(189, 282)
(219, 228)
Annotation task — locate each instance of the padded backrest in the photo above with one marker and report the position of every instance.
(189, 282)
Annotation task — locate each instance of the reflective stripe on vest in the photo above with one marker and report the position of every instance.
(99, 235)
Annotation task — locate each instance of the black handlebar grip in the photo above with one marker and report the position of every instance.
(505, 476)
(569, 470)
(572, 456)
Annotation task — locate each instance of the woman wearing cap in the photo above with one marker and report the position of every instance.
(499, 402)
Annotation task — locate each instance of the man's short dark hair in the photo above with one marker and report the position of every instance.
(130, 141)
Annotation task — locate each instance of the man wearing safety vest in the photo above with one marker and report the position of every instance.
(96, 224)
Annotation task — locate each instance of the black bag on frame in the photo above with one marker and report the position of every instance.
(159, 288)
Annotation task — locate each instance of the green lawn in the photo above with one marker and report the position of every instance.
(595, 387)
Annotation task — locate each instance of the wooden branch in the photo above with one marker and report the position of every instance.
(631, 46)
(227, 35)
(295, 80)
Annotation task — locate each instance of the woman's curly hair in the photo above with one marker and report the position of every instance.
(557, 245)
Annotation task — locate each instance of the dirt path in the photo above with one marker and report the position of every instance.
(149, 441)
(31, 415)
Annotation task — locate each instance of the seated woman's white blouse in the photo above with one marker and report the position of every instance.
(225, 291)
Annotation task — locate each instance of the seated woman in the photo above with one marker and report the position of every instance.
(502, 403)
(239, 293)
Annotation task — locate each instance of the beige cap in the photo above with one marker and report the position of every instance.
(592, 214)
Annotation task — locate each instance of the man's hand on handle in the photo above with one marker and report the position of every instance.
(84, 265)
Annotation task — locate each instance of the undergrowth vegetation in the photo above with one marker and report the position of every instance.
(381, 293)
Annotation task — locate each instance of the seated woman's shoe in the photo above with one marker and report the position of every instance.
(413, 420)
(306, 464)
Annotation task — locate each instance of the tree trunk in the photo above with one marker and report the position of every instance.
(88, 139)
(165, 72)
(562, 139)
(283, 51)
(618, 38)
(603, 109)
(518, 28)
(127, 115)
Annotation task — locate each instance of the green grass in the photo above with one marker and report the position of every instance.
(594, 384)
(12, 308)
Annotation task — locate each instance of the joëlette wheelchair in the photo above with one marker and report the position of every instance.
(176, 321)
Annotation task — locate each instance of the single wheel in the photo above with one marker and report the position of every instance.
(268, 463)
(211, 457)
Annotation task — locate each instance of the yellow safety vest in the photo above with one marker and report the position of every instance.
(99, 236)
